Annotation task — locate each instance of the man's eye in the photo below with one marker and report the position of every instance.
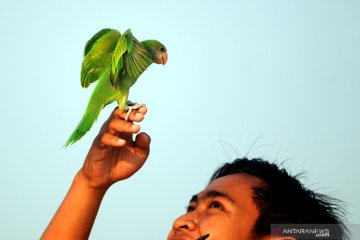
(190, 208)
(216, 204)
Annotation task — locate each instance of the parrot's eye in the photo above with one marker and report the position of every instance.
(162, 49)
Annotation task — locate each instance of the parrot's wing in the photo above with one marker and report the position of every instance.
(129, 56)
(94, 38)
(98, 52)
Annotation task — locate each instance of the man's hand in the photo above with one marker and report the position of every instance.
(114, 154)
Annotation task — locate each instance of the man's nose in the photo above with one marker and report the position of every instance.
(187, 221)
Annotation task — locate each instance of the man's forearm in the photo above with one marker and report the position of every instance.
(76, 214)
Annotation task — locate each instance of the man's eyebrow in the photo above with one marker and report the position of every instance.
(194, 198)
(212, 194)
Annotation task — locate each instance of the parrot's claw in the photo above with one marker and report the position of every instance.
(130, 107)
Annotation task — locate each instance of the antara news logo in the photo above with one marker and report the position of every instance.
(306, 231)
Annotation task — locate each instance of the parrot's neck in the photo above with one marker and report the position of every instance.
(147, 45)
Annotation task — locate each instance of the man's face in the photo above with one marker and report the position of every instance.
(224, 209)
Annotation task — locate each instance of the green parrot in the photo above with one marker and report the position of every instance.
(116, 61)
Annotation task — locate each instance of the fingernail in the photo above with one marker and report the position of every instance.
(121, 141)
(135, 127)
(137, 115)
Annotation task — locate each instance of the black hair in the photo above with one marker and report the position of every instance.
(283, 199)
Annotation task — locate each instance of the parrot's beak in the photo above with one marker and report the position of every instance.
(164, 58)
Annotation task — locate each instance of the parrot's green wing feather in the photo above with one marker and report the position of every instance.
(129, 56)
(97, 36)
(137, 59)
(98, 52)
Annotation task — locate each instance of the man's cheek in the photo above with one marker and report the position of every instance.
(214, 228)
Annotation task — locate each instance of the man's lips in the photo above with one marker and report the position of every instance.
(182, 237)
(186, 237)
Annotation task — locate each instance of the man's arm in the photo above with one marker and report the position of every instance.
(114, 156)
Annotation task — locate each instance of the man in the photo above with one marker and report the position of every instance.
(241, 201)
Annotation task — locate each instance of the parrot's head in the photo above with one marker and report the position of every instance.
(157, 51)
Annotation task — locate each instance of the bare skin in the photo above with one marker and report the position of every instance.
(224, 209)
(113, 156)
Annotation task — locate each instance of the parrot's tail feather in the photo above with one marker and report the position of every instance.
(83, 127)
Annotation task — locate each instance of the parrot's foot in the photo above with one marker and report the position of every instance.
(130, 107)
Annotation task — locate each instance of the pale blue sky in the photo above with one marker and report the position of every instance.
(271, 79)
